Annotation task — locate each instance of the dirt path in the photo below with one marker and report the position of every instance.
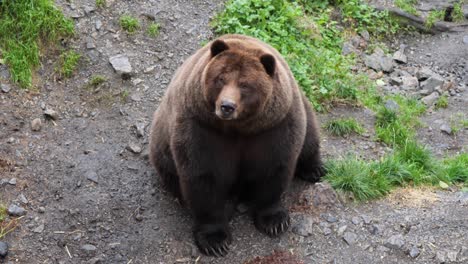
(91, 199)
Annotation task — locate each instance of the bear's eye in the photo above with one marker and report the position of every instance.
(220, 80)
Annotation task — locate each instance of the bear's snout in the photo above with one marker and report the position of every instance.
(227, 109)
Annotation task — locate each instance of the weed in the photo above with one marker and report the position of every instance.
(344, 126)
(35, 23)
(434, 16)
(129, 23)
(68, 62)
(97, 80)
(457, 13)
(100, 3)
(407, 6)
(124, 95)
(442, 102)
(456, 168)
(3, 213)
(153, 30)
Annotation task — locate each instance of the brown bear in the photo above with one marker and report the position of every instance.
(234, 126)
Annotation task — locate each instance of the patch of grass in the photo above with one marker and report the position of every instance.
(353, 175)
(6, 225)
(3, 213)
(25, 27)
(124, 95)
(153, 30)
(97, 80)
(129, 23)
(442, 102)
(456, 168)
(344, 126)
(68, 63)
(101, 3)
(407, 6)
(457, 13)
(434, 16)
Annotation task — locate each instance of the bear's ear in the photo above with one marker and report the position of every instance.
(218, 46)
(269, 64)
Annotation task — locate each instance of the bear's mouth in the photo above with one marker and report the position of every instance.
(225, 116)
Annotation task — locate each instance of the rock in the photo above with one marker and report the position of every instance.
(89, 9)
(326, 231)
(139, 217)
(133, 147)
(39, 229)
(355, 220)
(98, 24)
(365, 35)
(395, 81)
(367, 220)
(41, 210)
(88, 248)
(15, 210)
(331, 219)
(440, 256)
(92, 176)
(465, 39)
(341, 230)
(140, 128)
(424, 74)
(452, 255)
(36, 124)
(90, 43)
(135, 97)
(400, 57)
(386, 64)
(409, 82)
(12, 181)
(350, 238)
(414, 252)
(3, 249)
(149, 69)
(395, 242)
(50, 113)
(424, 92)
(430, 99)
(121, 65)
(379, 62)
(446, 129)
(304, 226)
(392, 105)
(5, 87)
(348, 48)
(23, 199)
(433, 82)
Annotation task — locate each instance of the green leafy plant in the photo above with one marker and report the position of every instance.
(68, 62)
(97, 80)
(153, 30)
(434, 16)
(129, 23)
(442, 102)
(343, 126)
(407, 6)
(100, 3)
(25, 27)
(457, 13)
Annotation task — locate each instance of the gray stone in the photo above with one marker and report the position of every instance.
(331, 219)
(432, 83)
(446, 129)
(51, 114)
(320, 195)
(365, 35)
(341, 230)
(39, 228)
(12, 181)
(386, 64)
(452, 255)
(98, 24)
(304, 226)
(140, 128)
(90, 43)
(424, 73)
(121, 64)
(395, 81)
(400, 57)
(92, 176)
(430, 99)
(367, 220)
(326, 231)
(4, 72)
(15, 210)
(3, 249)
(36, 124)
(88, 248)
(41, 210)
(424, 92)
(414, 252)
(440, 256)
(355, 220)
(465, 39)
(395, 242)
(133, 147)
(409, 83)
(350, 238)
(23, 199)
(392, 105)
(379, 62)
(5, 87)
(89, 9)
(348, 48)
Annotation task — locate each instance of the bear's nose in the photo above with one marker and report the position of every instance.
(227, 108)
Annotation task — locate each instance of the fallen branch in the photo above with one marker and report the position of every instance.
(420, 23)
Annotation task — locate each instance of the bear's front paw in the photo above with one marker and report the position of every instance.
(213, 240)
(272, 223)
(314, 174)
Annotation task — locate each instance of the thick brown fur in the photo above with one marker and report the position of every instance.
(208, 160)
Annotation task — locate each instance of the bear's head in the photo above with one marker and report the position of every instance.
(238, 81)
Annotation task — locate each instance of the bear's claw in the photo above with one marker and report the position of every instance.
(273, 224)
(314, 175)
(213, 241)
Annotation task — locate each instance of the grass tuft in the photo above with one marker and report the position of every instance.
(25, 27)
(344, 126)
(68, 63)
(407, 6)
(153, 30)
(129, 23)
(442, 102)
(101, 3)
(97, 80)
(434, 16)
(457, 13)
